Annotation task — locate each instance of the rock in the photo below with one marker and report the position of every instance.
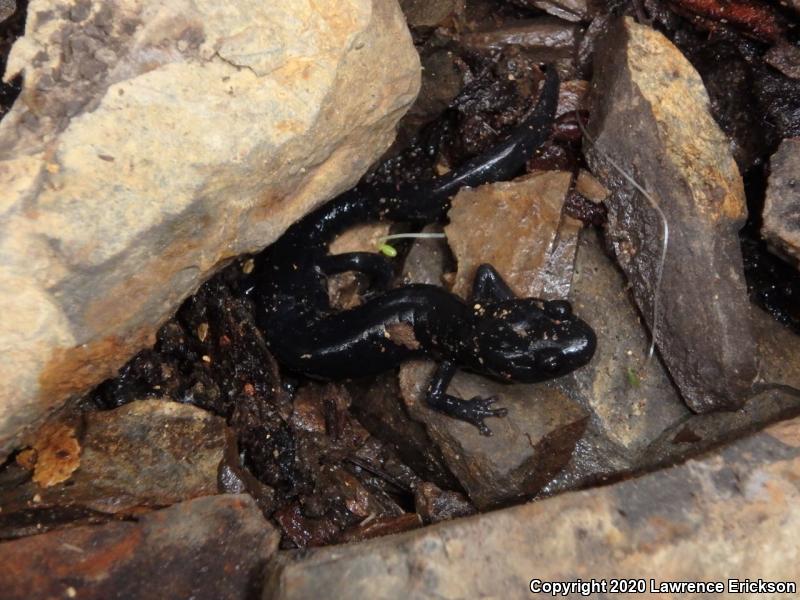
(429, 260)
(148, 453)
(670, 434)
(571, 10)
(7, 8)
(685, 435)
(695, 522)
(782, 203)
(425, 14)
(591, 189)
(435, 505)
(594, 461)
(55, 454)
(371, 528)
(548, 38)
(518, 228)
(793, 4)
(344, 288)
(704, 433)
(786, 58)
(778, 359)
(571, 97)
(528, 446)
(214, 547)
(442, 80)
(125, 186)
(630, 405)
(703, 324)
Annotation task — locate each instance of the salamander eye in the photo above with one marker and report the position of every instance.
(557, 309)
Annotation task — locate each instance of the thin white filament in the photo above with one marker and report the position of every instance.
(397, 236)
(664, 239)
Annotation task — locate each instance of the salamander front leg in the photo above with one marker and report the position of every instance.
(473, 411)
(488, 285)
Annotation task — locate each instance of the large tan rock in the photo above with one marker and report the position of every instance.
(154, 141)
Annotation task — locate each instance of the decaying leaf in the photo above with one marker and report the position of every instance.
(58, 454)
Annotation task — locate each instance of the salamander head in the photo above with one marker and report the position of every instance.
(528, 340)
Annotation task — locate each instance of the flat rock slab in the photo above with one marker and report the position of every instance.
(148, 453)
(631, 402)
(527, 447)
(782, 203)
(517, 227)
(700, 521)
(208, 548)
(153, 142)
(651, 116)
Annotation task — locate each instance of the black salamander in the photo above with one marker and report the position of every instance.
(495, 334)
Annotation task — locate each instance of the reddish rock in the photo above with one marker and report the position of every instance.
(518, 228)
(208, 548)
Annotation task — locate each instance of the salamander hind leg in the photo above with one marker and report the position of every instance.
(472, 411)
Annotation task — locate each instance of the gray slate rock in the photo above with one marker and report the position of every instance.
(651, 116)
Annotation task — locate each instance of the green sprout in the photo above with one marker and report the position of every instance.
(387, 250)
(633, 378)
(391, 251)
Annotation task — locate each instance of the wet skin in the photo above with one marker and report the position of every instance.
(512, 339)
